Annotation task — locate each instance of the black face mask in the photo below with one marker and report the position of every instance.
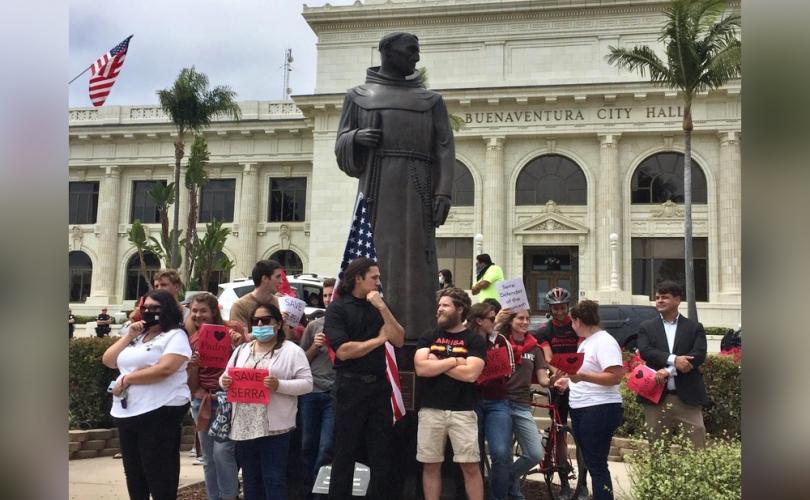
(150, 319)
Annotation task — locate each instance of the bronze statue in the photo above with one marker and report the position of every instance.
(395, 136)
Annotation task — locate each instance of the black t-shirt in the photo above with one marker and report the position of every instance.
(103, 317)
(349, 319)
(561, 337)
(444, 392)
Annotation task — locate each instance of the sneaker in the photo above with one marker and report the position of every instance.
(192, 453)
(118, 455)
(199, 461)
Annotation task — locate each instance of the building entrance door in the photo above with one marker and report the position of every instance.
(545, 268)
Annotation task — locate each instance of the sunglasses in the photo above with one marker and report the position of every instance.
(262, 320)
(153, 309)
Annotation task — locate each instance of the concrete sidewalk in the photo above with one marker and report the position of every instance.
(619, 474)
(103, 477)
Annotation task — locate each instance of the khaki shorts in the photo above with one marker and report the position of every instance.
(436, 425)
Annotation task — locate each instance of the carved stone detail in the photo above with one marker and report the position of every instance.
(76, 236)
(284, 236)
(668, 210)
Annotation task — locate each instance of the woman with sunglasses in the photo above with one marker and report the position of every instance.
(494, 417)
(219, 456)
(262, 432)
(151, 396)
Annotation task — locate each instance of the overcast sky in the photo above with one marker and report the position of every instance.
(239, 43)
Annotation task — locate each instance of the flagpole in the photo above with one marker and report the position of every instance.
(80, 74)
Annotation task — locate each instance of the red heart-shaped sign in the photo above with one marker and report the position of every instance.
(639, 374)
(219, 335)
(572, 360)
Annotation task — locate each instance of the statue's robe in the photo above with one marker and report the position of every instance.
(413, 162)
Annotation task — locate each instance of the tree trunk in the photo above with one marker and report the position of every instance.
(191, 232)
(687, 214)
(144, 274)
(178, 157)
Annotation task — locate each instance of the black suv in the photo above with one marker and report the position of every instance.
(622, 321)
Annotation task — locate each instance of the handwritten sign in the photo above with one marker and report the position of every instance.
(569, 362)
(497, 365)
(512, 294)
(642, 382)
(293, 307)
(214, 346)
(248, 386)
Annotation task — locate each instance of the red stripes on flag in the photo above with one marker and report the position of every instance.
(105, 71)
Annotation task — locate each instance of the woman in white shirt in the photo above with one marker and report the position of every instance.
(595, 401)
(151, 396)
(262, 432)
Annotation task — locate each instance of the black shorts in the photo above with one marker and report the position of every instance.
(561, 401)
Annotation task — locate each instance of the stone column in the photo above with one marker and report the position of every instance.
(729, 198)
(109, 196)
(608, 210)
(494, 202)
(248, 217)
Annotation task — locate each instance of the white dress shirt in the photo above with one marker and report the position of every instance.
(669, 329)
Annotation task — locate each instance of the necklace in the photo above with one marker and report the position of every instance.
(253, 353)
(148, 345)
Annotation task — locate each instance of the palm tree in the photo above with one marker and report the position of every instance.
(456, 122)
(142, 244)
(208, 253)
(163, 197)
(196, 178)
(191, 107)
(703, 52)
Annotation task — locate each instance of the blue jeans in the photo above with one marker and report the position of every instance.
(264, 466)
(219, 460)
(317, 425)
(593, 428)
(495, 424)
(528, 437)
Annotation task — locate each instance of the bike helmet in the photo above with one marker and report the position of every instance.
(558, 296)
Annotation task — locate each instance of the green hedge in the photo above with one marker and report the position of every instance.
(716, 330)
(89, 402)
(681, 472)
(80, 320)
(723, 378)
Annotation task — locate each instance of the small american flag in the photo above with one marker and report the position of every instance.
(361, 244)
(105, 71)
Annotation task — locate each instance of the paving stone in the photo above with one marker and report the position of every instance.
(108, 452)
(86, 454)
(187, 439)
(100, 433)
(186, 446)
(113, 443)
(78, 436)
(95, 444)
(615, 458)
(74, 446)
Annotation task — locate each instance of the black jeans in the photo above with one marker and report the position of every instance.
(362, 414)
(593, 428)
(150, 446)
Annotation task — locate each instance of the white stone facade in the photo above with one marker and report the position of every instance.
(529, 78)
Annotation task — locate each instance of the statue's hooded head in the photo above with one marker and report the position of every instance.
(399, 53)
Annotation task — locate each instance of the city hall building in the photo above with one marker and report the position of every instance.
(569, 171)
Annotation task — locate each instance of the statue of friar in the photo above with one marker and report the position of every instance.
(395, 136)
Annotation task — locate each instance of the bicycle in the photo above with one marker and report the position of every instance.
(551, 466)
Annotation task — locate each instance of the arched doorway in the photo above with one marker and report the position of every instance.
(135, 284)
(80, 269)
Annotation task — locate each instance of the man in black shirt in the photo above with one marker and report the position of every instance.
(357, 325)
(448, 361)
(103, 322)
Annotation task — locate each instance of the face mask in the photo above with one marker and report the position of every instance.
(441, 279)
(263, 333)
(150, 319)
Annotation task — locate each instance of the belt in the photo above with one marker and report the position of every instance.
(405, 153)
(368, 379)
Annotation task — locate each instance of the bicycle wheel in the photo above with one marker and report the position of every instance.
(572, 471)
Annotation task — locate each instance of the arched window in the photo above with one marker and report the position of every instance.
(551, 177)
(81, 273)
(659, 178)
(219, 274)
(136, 285)
(290, 261)
(463, 186)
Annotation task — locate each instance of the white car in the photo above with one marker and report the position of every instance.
(307, 286)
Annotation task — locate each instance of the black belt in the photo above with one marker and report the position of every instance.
(405, 153)
(367, 378)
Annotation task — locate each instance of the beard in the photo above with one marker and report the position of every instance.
(446, 321)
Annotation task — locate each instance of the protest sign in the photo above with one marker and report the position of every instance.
(214, 346)
(248, 386)
(569, 362)
(512, 294)
(293, 307)
(497, 366)
(642, 382)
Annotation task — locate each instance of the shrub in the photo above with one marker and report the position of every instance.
(88, 378)
(723, 378)
(633, 423)
(716, 330)
(682, 472)
(80, 320)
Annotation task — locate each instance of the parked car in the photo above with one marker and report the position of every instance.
(307, 286)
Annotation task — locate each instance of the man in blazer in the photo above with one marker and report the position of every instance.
(675, 346)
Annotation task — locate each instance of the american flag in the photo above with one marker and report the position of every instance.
(361, 244)
(105, 71)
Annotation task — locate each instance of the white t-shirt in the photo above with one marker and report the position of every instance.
(601, 351)
(171, 391)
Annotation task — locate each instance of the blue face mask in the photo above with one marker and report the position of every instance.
(263, 333)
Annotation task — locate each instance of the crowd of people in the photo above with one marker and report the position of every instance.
(329, 395)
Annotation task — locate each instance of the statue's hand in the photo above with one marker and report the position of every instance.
(441, 207)
(368, 137)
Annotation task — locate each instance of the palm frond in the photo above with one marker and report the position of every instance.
(642, 59)
(723, 66)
